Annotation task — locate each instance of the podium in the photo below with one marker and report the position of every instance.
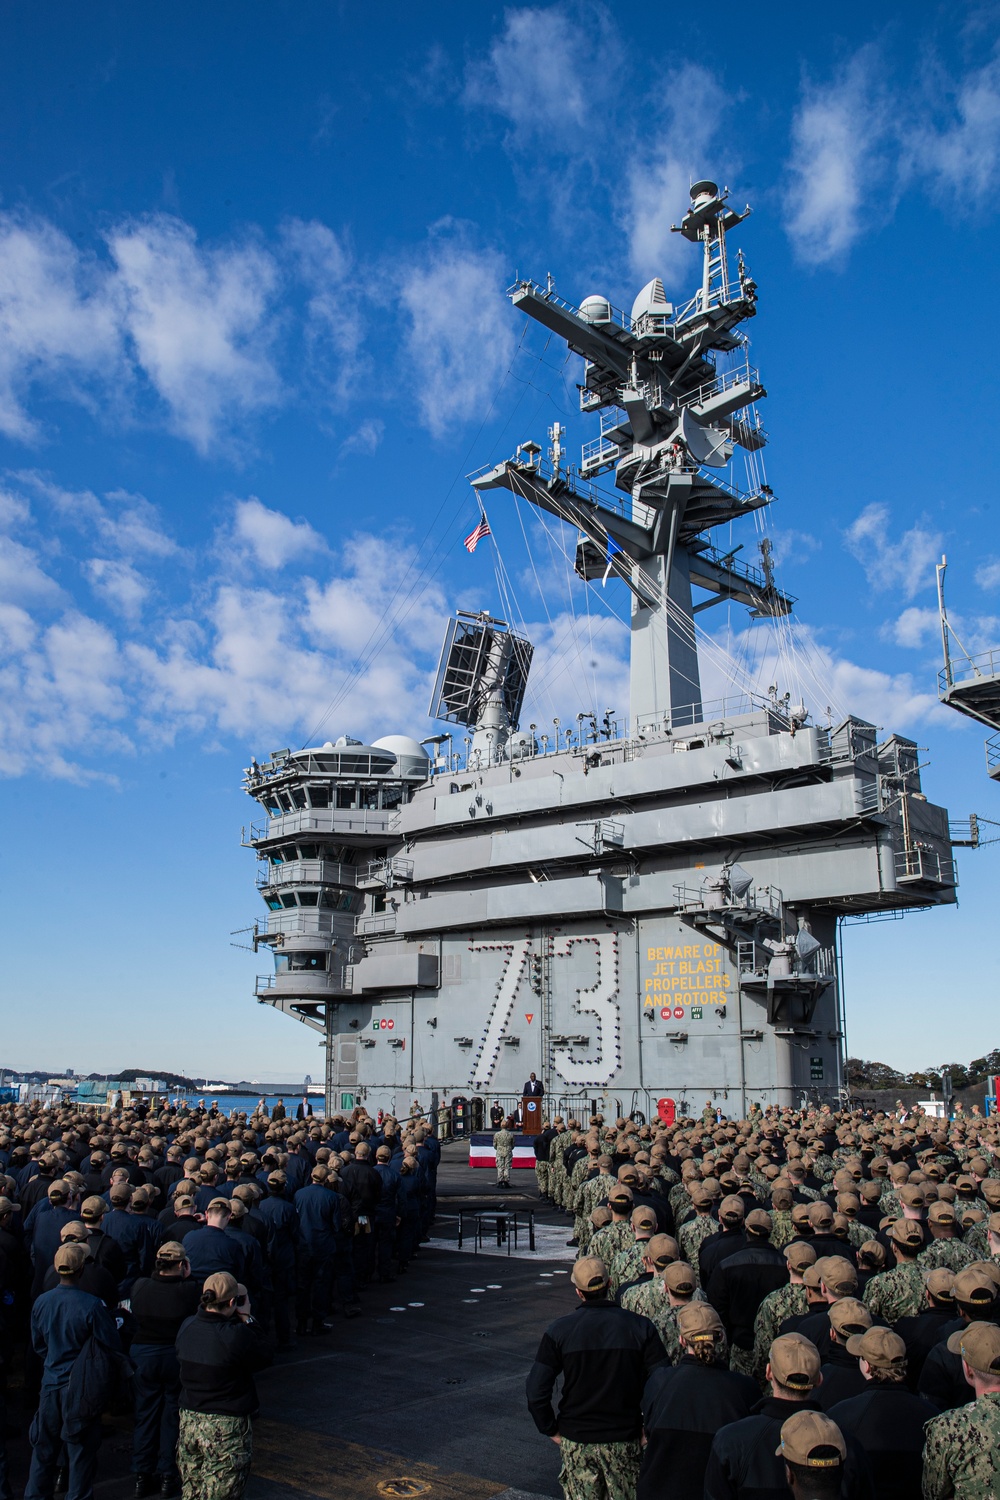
(531, 1115)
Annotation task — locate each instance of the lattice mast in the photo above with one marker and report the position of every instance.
(675, 392)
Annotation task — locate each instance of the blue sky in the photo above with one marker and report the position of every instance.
(253, 335)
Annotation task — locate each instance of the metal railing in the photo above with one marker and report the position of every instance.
(967, 669)
(298, 922)
(927, 865)
(745, 374)
(381, 922)
(307, 872)
(993, 754)
(304, 982)
(329, 820)
(618, 317)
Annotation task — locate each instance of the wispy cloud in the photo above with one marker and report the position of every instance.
(546, 73)
(458, 336)
(227, 657)
(666, 158)
(324, 266)
(59, 320)
(161, 328)
(837, 132)
(959, 151)
(821, 678)
(862, 138)
(121, 585)
(905, 563)
(272, 537)
(988, 574)
(199, 321)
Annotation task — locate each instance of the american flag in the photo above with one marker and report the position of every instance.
(475, 537)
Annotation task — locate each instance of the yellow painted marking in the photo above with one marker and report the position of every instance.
(331, 1469)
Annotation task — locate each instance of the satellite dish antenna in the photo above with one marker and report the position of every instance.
(739, 881)
(706, 445)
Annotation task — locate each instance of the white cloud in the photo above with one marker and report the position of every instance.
(905, 564)
(988, 574)
(546, 73)
(789, 546)
(459, 338)
(364, 438)
(118, 584)
(273, 538)
(22, 576)
(804, 666)
(126, 522)
(961, 157)
(58, 324)
(664, 161)
(324, 266)
(61, 696)
(914, 628)
(837, 132)
(200, 324)
(834, 137)
(580, 665)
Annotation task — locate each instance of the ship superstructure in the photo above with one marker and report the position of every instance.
(637, 909)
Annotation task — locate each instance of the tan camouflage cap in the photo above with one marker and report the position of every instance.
(219, 1289)
(811, 1440)
(589, 1274)
(975, 1287)
(663, 1250)
(838, 1275)
(907, 1232)
(794, 1362)
(848, 1316)
(800, 1255)
(731, 1210)
(979, 1346)
(699, 1321)
(680, 1278)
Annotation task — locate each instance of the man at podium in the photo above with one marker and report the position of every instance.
(531, 1107)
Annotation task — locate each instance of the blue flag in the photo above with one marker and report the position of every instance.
(613, 548)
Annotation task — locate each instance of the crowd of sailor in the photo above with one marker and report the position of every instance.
(156, 1257)
(800, 1303)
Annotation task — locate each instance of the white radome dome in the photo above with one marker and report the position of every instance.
(400, 745)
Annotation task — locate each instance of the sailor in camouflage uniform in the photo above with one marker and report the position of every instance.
(601, 1465)
(962, 1447)
(789, 1301)
(592, 1192)
(607, 1242)
(783, 1231)
(218, 1351)
(503, 1146)
(661, 1299)
(692, 1235)
(660, 1252)
(945, 1248)
(561, 1144)
(899, 1293)
(626, 1264)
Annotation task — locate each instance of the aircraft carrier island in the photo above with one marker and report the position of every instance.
(644, 910)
